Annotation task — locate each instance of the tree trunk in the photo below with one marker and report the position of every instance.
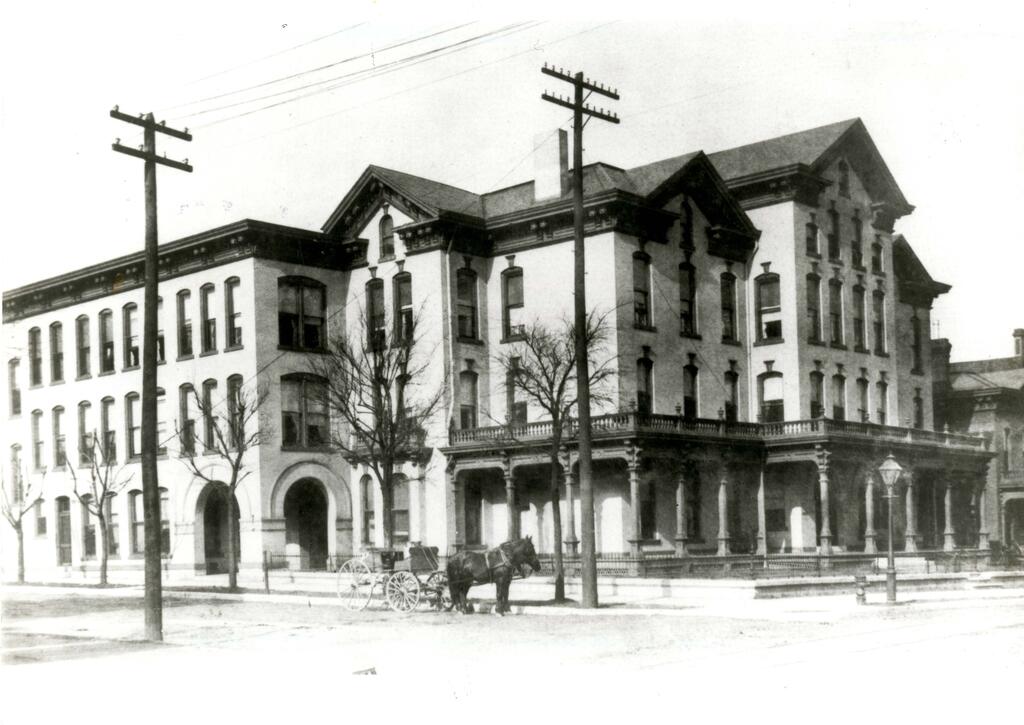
(556, 512)
(21, 553)
(102, 520)
(387, 495)
(232, 553)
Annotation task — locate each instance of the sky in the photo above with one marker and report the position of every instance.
(289, 102)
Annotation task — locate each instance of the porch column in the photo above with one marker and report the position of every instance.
(571, 542)
(633, 468)
(458, 497)
(870, 546)
(681, 533)
(510, 501)
(723, 511)
(949, 533)
(982, 521)
(825, 537)
(416, 507)
(911, 532)
(762, 525)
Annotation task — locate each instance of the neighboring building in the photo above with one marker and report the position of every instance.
(986, 397)
(769, 331)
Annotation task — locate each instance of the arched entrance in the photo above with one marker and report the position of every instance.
(215, 529)
(305, 517)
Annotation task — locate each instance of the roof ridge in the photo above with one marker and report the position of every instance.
(424, 178)
(849, 122)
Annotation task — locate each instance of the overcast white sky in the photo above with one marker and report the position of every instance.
(940, 94)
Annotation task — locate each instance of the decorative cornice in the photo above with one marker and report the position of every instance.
(788, 183)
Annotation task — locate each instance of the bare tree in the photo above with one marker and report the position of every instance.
(16, 504)
(543, 366)
(105, 480)
(226, 439)
(379, 392)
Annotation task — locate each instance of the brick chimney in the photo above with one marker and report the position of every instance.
(550, 166)
(941, 349)
(1018, 345)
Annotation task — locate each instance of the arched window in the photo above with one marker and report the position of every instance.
(834, 245)
(12, 386)
(110, 514)
(108, 435)
(35, 357)
(835, 311)
(838, 397)
(690, 391)
(376, 318)
(209, 419)
(813, 308)
(301, 306)
(513, 326)
(857, 245)
(769, 308)
(400, 509)
(387, 237)
(207, 321)
(184, 324)
(187, 417)
(687, 299)
(404, 322)
(859, 337)
(732, 396)
(771, 398)
(130, 322)
(86, 445)
(641, 290)
(876, 255)
(88, 528)
(60, 449)
(467, 399)
(863, 414)
(727, 285)
(232, 315)
(56, 352)
(466, 303)
(37, 439)
(811, 237)
(645, 385)
(878, 320)
(366, 500)
(83, 346)
(133, 424)
(817, 395)
(303, 411)
(135, 522)
(881, 402)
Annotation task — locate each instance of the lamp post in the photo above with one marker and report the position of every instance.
(890, 472)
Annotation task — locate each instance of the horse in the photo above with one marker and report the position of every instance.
(468, 568)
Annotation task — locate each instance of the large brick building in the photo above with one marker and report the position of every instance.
(769, 331)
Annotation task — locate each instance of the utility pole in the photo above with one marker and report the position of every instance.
(588, 555)
(150, 485)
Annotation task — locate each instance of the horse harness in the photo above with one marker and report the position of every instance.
(496, 559)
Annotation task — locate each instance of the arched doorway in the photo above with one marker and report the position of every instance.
(215, 530)
(305, 522)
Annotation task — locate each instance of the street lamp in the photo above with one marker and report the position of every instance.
(890, 472)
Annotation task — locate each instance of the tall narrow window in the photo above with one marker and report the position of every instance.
(876, 255)
(402, 288)
(56, 352)
(108, 439)
(881, 402)
(16, 477)
(110, 514)
(85, 433)
(60, 449)
(135, 522)
(834, 245)
(35, 357)
(184, 323)
(300, 313)
(161, 350)
(88, 529)
(207, 321)
(813, 308)
(232, 316)
(687, 298)
(642, 290)
(817, 395)
(835, 311)
(303, 411)
(133, 424)
(387, 236)
(516, 408)
(648, 510)
(644, 385)
(161, 421)
(512, 294)
(732, 396)
(918, 409)
(686, 222)
(40, 517)
(130, 319)
(366, 499)
(857, 245)
(838, 397)
(690, 391)
(83, 346)
(165, 522)
(728, 290)
(187, 416)
(209, 419)
(769, 308)
(772, 404)
(863, 411)
(37, 439)
(916, 343)
(400, 509)
(811, 237)
(466, 304)
(844, 178)
(859, 338)
(467, 399)
(375, 315)
(878, 320)
(12, 386)
(236, 424)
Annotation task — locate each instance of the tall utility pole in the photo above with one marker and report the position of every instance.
(150, 485)
(588, 600)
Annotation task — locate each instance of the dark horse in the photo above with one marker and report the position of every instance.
(497, 565)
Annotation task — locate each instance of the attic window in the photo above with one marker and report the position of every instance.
(387, 236)
(844, 179)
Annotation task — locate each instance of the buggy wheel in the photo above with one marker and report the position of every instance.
(402, 591)
(355, 584)
(440, 595)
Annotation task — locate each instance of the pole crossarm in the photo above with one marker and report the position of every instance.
(585, 109)
(568, 77)
(158, 126)
(180, 165)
